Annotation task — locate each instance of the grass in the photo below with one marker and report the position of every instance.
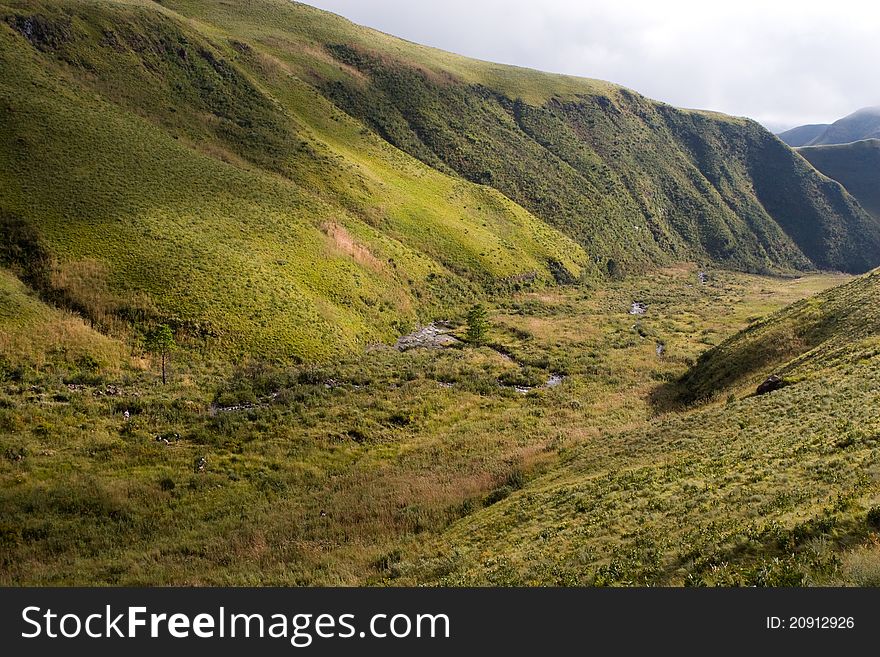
(337, 474)
(760, 491)
(302, 260)
(290, 205)
(800, 341)
(32, 335)
(772, 490)
(235, 171)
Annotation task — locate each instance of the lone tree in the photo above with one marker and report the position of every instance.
(477, 326)
(160, 341)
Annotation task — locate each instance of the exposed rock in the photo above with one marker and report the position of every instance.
(433, 336)
(552, 381)
(773, 382)
(637, 308)
(244, 406)
(16, 455)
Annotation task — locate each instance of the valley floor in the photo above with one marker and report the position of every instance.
(454, 466)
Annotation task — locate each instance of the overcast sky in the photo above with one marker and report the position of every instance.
(783, 63)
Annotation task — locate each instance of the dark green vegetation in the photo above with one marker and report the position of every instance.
(190, 164)
(862, 124)
(856, 166)
(477, 326)
(632, 180)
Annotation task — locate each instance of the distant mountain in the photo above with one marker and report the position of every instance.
(804, 134)
(856, 166)
(863, 124)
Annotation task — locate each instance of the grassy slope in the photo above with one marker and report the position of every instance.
(217, 119)
(635, 182)
(337, 474)
(856, 166)
(33, 334)
(778, 489)
(763, 491)
(321, 237)
(236, 143)
(835, 327)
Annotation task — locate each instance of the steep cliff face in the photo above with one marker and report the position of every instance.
(634, 181)
(856, 166)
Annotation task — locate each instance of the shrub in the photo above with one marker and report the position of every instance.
(477, 325)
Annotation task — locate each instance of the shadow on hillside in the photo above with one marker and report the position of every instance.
(677, 396)
(668, 397)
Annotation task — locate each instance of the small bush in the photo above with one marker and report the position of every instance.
(477, 325)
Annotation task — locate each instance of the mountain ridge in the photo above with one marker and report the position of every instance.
(855, 165)
(354, 191)
(861, 124)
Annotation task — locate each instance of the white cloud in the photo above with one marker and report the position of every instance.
(780, 62)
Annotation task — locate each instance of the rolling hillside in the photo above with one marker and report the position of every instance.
(32, 333)
(862, 124)
(273, 225)
(832, 329)
(272, 179)
(778, 489)
(856, 166)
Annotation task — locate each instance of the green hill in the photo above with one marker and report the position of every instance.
(191, 163)
(838, 327)
(249, 220)
(285, 188)
(856, 166)
(777, 489)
